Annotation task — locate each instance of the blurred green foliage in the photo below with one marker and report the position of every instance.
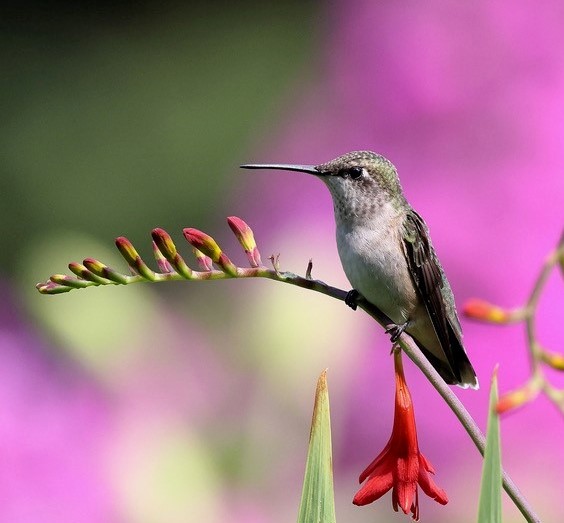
(121, 119)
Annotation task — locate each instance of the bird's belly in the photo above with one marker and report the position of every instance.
(375, 265)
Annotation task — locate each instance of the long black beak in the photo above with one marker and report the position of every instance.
(310, 169)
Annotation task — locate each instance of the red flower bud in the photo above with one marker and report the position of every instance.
(207, 245)
(133, 259)
(246, 238)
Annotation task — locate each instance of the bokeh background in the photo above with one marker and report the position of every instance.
(192, 401)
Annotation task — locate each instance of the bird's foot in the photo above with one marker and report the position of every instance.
(396, 331)
(352, 298)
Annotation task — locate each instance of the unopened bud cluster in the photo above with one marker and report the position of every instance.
(171, 265)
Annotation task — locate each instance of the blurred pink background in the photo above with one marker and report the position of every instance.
(193, 403)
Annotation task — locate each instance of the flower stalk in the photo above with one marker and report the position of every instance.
(539, 356)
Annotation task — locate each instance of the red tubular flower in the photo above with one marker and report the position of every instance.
(400, 466)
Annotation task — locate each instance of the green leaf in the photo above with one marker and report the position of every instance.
(489, 510)
(318, 501)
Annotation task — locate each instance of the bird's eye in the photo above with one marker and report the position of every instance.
(355, 172)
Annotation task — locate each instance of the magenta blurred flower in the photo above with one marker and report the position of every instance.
(55, 428)
(400, 466)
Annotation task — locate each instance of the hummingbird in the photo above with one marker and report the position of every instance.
(387, 255)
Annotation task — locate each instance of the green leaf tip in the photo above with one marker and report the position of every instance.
(318, 501)
(489, 510)
(321, 404)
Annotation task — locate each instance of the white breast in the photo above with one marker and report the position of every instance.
(373, 260)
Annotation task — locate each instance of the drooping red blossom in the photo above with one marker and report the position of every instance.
(400, 466)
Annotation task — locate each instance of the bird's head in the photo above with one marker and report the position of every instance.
(359, 181)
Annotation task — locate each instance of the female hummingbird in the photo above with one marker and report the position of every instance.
(387, 255)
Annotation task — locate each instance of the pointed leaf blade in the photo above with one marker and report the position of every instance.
(489, 510)
(318, 501)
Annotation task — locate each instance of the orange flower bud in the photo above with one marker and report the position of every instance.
(555, 360)
(484, 311)
(517, 397)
